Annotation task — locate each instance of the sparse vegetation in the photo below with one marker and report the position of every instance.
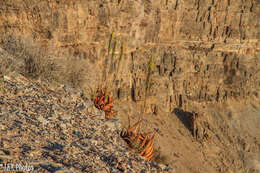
(142, 143)
(110, 65)
(119, 61)
(121, 52)
(27, 58)
(114, 50)
(35, 67)
(110, 43)
(6, 26)
(148, 78)
(150, 70)
(35, 64)
(103, 101)
(120, 57)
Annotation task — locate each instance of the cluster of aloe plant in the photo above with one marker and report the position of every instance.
(101, 98)
(140, 142)
(103, 101)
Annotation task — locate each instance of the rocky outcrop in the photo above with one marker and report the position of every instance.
(205, 51)
(206, 62)
(53, 129)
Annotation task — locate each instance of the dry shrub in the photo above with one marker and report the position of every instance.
(10, 59)
(73, 72)
(24, 56)
(27, 58)
(6, 63)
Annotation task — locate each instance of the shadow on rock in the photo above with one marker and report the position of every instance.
(185, 117)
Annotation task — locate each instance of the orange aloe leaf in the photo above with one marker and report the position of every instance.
(149, 151)
(151, 157)
(135, 127)
(149, 154)
(108, 106)
(148, 145)
(108, 115)
(145, 139)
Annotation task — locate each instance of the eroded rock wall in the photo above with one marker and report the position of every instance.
(204, 51)
(206, 59)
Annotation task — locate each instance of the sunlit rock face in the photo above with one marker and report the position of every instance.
(205, 52)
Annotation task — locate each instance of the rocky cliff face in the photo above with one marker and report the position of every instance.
(206, 54)
(204, 51)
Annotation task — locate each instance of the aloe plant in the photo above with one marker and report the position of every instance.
(120, 59)
(114, 50)
(148, 79)
(121, 52)
(110, 42)
(150, 70)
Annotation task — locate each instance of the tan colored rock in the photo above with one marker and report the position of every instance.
(206, 57)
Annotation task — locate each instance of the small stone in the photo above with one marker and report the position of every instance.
(102, 170)
(66, 117)
(162, 166)
(63, 126)
(2, 127)
(43, 120)
(2, 153)
(113, 124)
(94, 142)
